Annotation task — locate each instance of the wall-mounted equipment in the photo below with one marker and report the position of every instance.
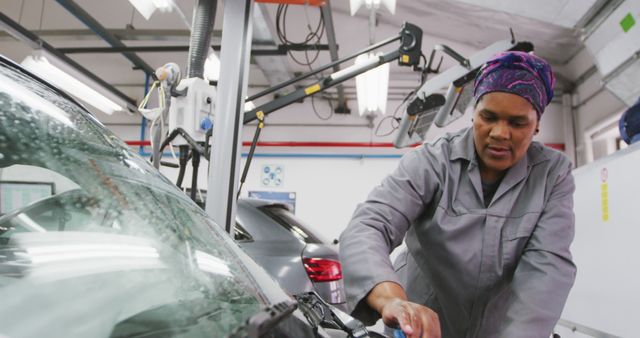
(192, 109)
(429, 106)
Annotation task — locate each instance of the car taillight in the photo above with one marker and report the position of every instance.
(322, 270)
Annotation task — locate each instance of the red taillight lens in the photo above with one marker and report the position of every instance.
(322, 270)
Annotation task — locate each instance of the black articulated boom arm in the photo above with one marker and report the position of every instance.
(407, 55)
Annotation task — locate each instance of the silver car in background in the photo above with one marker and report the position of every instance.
(293, 254)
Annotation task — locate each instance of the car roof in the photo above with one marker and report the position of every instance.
(254, 202)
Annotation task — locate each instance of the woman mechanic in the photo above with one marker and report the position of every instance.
(486, 214)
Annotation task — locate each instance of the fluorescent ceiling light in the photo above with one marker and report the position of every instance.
(15, 90)
(212, 264)
(212, 67)
(390, 5)
(147, 7)
(60, 76)
(372, 86)
(163, 5)
(66, 252)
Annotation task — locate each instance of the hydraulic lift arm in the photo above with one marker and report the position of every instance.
(408, 54)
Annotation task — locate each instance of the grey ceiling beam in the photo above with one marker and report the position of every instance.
(24, 35)
(104, 33)
(279, 50)
(127, 34)
(333, 51)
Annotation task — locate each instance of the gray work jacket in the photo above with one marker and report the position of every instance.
(499, 271)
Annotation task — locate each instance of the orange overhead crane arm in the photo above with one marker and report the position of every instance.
(295, 2)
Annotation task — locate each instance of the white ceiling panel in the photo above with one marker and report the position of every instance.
(565, 13)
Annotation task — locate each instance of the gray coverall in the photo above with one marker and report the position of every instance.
(499, 271)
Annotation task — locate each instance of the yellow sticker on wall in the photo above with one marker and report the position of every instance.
(604, 193)
(604, 188)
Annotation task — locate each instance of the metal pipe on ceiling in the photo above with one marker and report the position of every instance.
(24, 35)
(101, 31)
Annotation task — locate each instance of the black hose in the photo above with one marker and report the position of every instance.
(195, 162)
(184, 157)
(195, 145)
(204, 15)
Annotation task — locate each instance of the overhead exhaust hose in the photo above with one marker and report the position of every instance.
(204, 15)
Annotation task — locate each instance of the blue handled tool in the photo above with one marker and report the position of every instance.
(397, 333)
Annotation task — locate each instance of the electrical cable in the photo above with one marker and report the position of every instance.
(313, 105)
(317, 34)
(41, 16)
(133, 12)
(21, 11)
(424, 71)
(162, 124)
(394, 117)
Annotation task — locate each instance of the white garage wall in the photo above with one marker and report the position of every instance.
(594, 104)
(327, 191)
(605, 294)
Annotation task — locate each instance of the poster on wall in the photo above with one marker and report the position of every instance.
(288, 198)
(272, 175)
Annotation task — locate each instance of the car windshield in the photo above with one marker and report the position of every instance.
(96, 243)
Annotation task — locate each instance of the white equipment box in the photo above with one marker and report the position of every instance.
(193, 112)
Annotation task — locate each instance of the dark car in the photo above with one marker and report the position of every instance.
(94, 242)
(297, 257)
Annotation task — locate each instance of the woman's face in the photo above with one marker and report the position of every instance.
(504, 125)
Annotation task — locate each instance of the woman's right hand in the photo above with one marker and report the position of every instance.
(415, 320)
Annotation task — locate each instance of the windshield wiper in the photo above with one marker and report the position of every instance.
(319, 313)
(263, 321)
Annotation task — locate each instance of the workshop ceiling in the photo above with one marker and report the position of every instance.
(465, 25)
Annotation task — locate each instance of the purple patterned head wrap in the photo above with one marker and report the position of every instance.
(519, 73)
